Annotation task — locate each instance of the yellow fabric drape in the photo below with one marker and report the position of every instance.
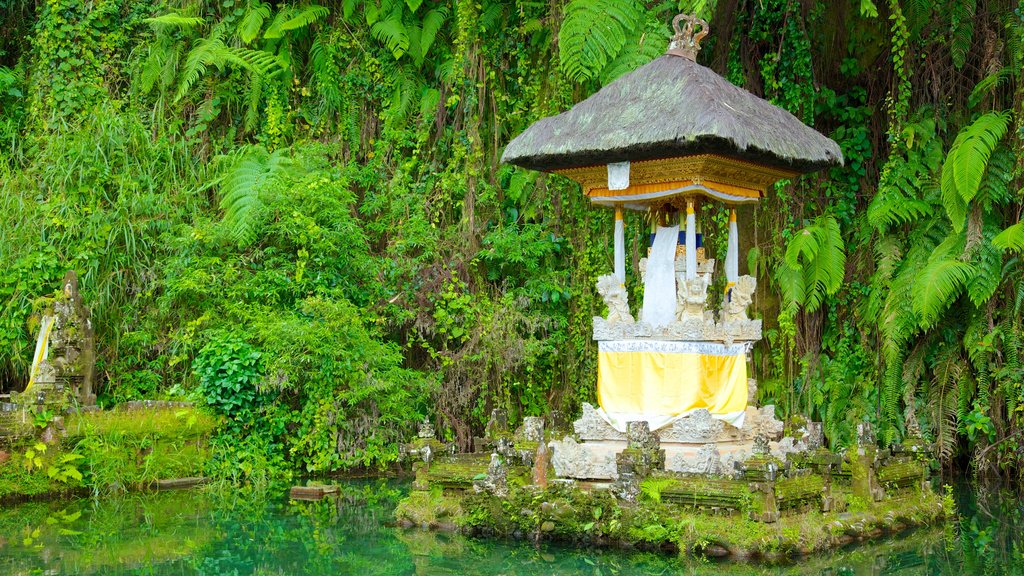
(671, 378)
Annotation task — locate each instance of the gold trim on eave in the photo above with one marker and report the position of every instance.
(735, 181)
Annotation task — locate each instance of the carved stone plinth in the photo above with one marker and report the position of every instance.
(696, 443)
(693, 329)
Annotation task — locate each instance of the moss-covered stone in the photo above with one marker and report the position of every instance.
(657, 521)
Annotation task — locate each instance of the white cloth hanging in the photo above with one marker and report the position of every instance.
(660, 283)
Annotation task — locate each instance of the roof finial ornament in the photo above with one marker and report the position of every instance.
(686, 41)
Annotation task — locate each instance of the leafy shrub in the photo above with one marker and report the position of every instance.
(228, 369)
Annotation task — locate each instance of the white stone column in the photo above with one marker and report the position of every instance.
(691, 241)
(620, 246)
(732, 253)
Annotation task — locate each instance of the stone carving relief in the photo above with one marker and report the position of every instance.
(692, 295)
(741, 295)
(615, 297)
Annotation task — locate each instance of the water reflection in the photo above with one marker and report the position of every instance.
(231, 532)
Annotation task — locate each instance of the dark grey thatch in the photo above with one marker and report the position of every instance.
(671, 107)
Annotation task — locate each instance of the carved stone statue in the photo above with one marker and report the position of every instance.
(65, 357)
(615, 297)
(741, 295)
(691, 296)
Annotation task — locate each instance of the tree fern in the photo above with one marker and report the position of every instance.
(252, 175)
(175, 20)
(814, 265)
(964, 168)
(593, 33)
(293, 18)
(1011, 239)
(937, 286)
(961, 30)
(256, 13)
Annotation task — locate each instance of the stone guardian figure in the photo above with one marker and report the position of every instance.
(615, 297)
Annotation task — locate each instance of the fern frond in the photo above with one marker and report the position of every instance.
(256, 13)
(593, 33)
(432, 24)
(243, 187)
(1011, 239)
(702, 8)
(392, 33)
(906, 179)
(175, 20)
(294, 19)
(964, 168)
(642, 46)
(989, 84)
(987, 262)
(814, 264)
(995, 190)
(961, 30)
(887, 210)
(348, 7)
(254, 97)
(937, 286)
(204, 53)
(943, 400)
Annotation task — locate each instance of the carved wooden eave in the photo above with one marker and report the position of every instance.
(671, 180)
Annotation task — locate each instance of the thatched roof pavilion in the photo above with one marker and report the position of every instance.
(674, 108)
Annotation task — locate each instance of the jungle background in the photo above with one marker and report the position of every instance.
(295, 212)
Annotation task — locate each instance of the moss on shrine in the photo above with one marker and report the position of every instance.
(595, 517)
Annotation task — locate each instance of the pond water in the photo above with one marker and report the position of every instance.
(228, 532)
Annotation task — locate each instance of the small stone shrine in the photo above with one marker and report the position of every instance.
(64, 361)
(676, 437)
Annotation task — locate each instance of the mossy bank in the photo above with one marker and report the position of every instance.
(106, 451)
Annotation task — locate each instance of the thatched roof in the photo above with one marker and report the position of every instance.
(667, 108)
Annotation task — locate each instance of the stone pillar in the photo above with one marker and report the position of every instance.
(620, 246)
(691, 240)
(643, 455)
(863, 463)
(732, 254)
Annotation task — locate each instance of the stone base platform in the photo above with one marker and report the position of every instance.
(697, 443)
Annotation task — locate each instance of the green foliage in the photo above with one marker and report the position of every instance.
(229, 372)
(594, 33)
(961, 29)
(321, 181)
(965, 164)
(246, 183)
(1011, 239)
(814, 265)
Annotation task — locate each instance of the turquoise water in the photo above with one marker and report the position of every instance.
(230, 532)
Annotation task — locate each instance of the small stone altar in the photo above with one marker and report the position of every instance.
(64, 361)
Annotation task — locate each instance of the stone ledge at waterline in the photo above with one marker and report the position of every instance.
(768, 505)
